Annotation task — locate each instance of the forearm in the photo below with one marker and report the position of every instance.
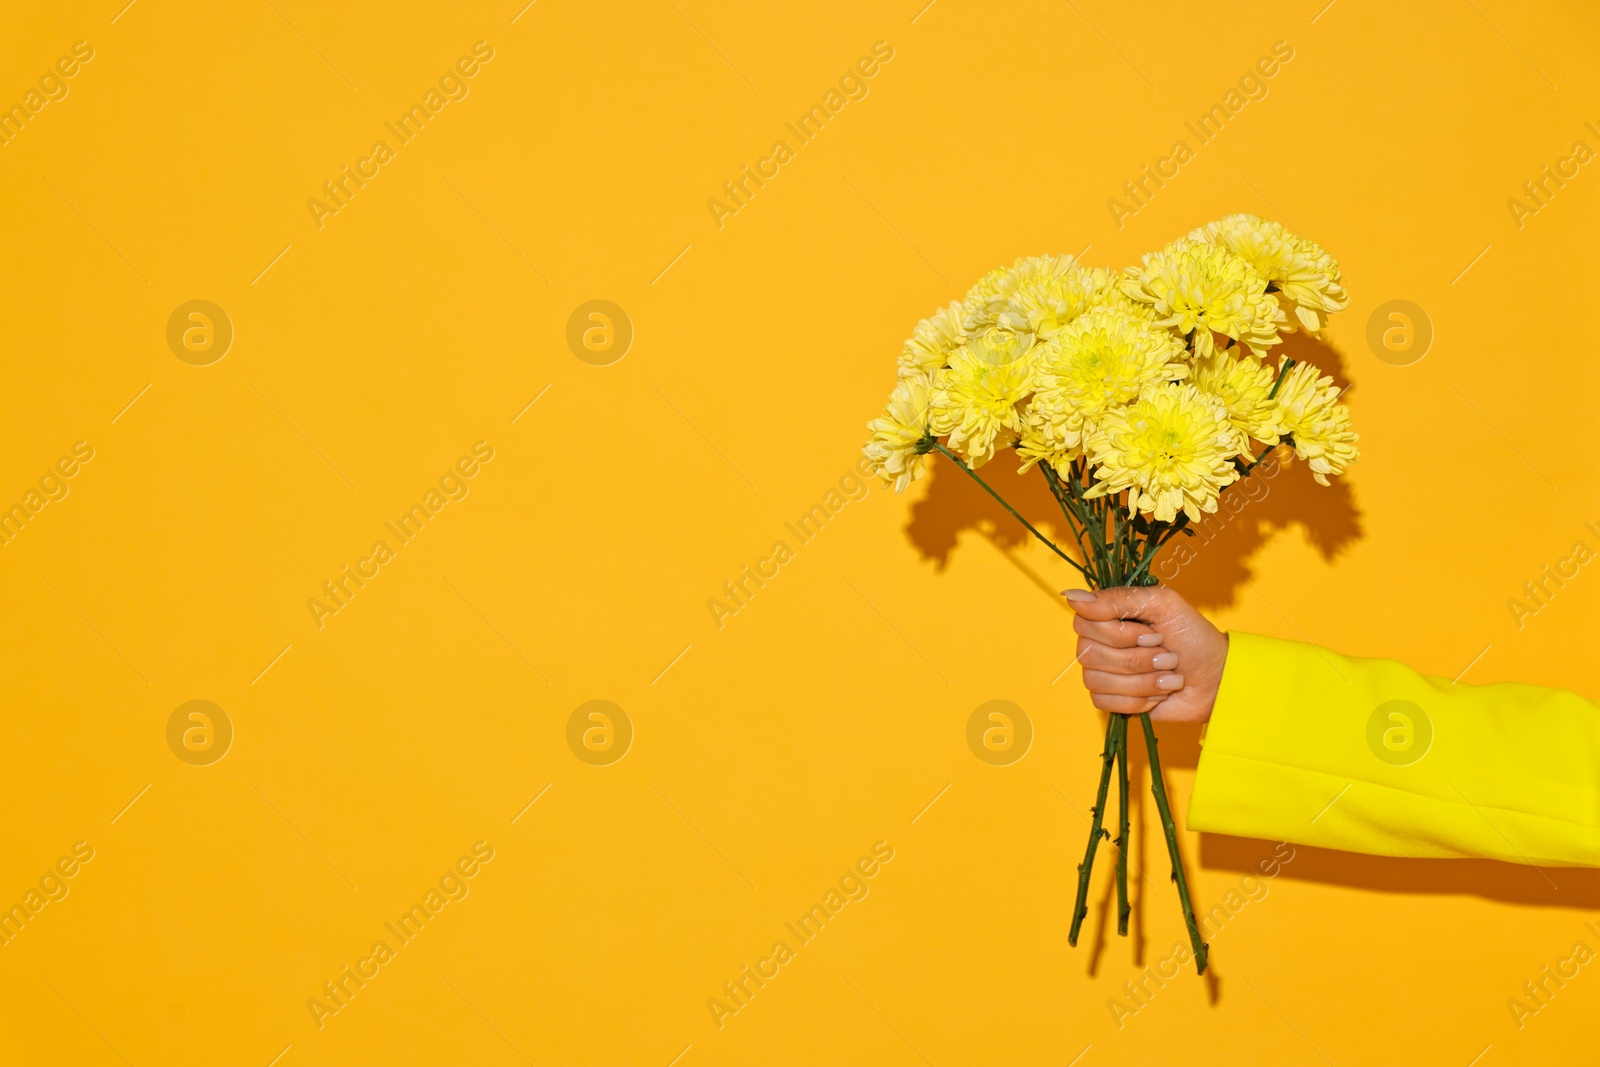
(1510, 771)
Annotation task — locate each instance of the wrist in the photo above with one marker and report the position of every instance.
(1214, 682)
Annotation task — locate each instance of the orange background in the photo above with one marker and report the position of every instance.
(830, 713)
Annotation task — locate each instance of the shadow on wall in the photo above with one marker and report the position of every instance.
(1513, 883)
(1209, 568)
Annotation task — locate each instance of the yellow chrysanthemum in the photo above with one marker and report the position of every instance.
(981, 307)
(929, 346)
(1309, 413)
(892, 450)
(1042, 439)
(976, 399)
(1054, 292)
(1171, 450)
(1101, 361)
(1038, 295)
(1195, 285)
(1306, 278)
(1242, 384)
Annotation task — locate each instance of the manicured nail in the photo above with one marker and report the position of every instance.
(1170, 682)
(1164, 661)
(1149, 640)
(1077, 594)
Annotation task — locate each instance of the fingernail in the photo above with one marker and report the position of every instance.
(1149, 640)
(1170, 681)
(1164, 661)
(1077, 594)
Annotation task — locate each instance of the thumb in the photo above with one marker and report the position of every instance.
(1144, 603)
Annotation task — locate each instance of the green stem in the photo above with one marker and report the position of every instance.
(1119, 542)
(1093, 527)
(1159, 788)
(1122, 829)
(1287, 439)
(1080, 514)
(1074, 520)
(974, 474)
(1118, 555)
(1141, 572)
(1081, 907)
(1093, 523)
(1253, 464)
(1283, 372)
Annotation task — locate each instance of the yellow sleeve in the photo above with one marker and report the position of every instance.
(1367, 755)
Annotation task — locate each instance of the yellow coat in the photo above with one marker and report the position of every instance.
(1367, 755)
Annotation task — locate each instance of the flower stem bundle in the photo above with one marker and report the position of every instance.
(1142, 396)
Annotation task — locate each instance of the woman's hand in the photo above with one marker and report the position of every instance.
(1146, 649)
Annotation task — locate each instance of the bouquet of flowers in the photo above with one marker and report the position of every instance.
(1141, 396)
